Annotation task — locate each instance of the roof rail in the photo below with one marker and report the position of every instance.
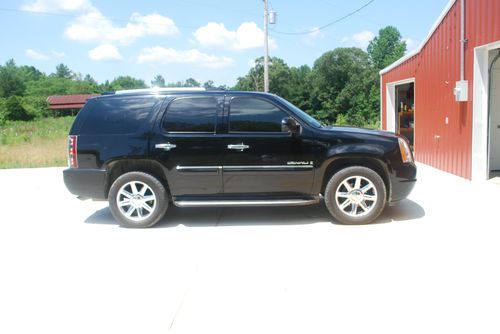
(161, 90)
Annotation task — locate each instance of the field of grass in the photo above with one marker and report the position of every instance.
(39, 143)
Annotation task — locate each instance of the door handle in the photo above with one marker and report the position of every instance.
(238, 147)
(165, 146)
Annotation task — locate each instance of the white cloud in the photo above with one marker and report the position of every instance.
(57, 54)
(313, 36)
(30, 53)
(93, 26)
(161, 55)
(57, 5)
(105, 52)
(360, 40)
(247, 36)
(411, 44)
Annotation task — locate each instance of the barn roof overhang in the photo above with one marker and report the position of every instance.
(415, 52)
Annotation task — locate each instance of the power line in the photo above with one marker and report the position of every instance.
(328, 24)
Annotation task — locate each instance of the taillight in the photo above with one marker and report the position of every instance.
(72, 161)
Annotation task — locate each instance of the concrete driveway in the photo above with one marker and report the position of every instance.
(429, 265)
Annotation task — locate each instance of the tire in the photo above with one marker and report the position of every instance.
(355, 195)
(137, 199)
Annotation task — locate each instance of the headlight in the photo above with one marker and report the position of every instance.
(405, 150)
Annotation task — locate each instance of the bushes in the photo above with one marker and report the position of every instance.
(3, 115)
(15, 108)
(12, 109)
(37, 106)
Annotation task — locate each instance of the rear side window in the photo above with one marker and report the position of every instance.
(111, 116)
(191, 114)
(254, 115)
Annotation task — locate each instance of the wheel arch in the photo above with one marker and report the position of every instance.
(119, 167)
(337, 164)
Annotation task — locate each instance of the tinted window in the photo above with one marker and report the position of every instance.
(191, 115)
(254, 115)
(117, 115)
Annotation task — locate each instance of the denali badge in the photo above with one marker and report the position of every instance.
(300, 163)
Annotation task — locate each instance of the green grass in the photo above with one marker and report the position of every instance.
(39, 143)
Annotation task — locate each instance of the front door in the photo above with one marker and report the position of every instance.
(495, 116)
(260, 158)
(185, 143)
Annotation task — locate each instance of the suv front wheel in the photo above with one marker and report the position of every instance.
(137, 199)
(355, 195)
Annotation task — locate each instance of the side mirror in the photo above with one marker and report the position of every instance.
(289, 124)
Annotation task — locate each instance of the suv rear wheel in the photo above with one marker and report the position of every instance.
(137, 199)
(355, 195)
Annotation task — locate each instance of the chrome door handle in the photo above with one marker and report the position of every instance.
(239, 147)
(165, 147)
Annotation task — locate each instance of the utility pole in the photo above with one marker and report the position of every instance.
(266, 47)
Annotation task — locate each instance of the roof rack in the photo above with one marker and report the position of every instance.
(161, 90)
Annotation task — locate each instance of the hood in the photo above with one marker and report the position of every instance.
(361, 131)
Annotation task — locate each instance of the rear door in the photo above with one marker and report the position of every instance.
(185, 143)
(260, 158)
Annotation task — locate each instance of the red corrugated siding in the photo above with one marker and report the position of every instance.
(436, 69)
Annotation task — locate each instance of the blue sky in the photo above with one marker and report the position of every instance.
(207, 40)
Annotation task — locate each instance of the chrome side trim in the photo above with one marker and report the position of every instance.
(267, 168)
(194, 169)
(256, 168)
(230, 203)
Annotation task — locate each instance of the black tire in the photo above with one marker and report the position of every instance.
(354, 213)
(140, 217)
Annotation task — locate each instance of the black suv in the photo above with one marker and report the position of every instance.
(145, 150)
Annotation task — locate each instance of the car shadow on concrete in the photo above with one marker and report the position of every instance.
(407, 210)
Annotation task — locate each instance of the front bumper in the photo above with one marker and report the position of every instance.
(402, 182)
(89, 183)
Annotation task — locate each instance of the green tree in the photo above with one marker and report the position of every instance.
(63, 71)
(46, 86)
(11, 83)
(29, 73)
(208, 84)
(127, 82)
(90, 80)
(36, 106)
(279, 77)
(15, 111)
(192, 83)
(386, 48)
(105, 87)
(342, 82)
(3, 111)
(158, 81)
(300, 87)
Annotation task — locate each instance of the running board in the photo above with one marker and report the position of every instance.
(233, 203)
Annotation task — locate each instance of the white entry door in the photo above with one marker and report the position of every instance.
(495, 117)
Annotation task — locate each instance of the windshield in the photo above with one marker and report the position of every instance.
(302, 114)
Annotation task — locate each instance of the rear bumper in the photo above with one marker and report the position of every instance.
(90, 183)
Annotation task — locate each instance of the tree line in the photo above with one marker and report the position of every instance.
(342, 87)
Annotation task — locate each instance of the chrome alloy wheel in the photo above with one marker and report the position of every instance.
(136, 201)
(356, 196)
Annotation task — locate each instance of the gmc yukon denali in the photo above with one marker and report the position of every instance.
(145, 150)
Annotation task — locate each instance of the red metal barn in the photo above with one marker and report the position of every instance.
(445, 96)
